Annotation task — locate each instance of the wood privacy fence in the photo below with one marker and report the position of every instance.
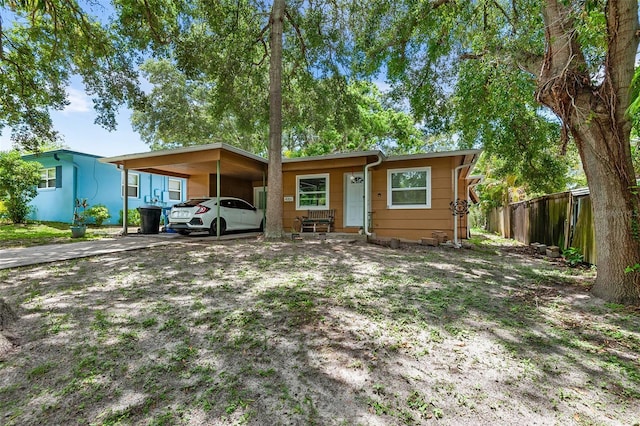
(564, 220)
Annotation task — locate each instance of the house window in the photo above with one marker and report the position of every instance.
(409, 188)
(48, 178)
(133, 185)
(312, 192)
(175, 189)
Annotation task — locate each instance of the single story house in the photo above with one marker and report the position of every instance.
(407, 197)
(69, 175)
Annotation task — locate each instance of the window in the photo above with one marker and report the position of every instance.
(409, 188)
(312, 192)
(133, 185)
(175, 189)
(241, 204)
(48, 178)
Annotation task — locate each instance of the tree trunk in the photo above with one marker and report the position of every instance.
(595, 115)
(274, 228)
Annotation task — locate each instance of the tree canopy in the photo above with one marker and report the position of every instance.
(44, 43)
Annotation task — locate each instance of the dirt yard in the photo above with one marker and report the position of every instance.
(336, 333)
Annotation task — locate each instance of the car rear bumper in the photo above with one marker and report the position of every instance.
(186, 226)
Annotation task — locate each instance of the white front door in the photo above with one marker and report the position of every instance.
(354, 199)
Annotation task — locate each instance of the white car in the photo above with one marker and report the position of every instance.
(200, 214)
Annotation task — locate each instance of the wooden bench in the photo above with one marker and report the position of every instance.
(317, 220)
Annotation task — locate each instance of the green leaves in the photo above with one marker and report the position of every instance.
(43, 44)
(18, 182)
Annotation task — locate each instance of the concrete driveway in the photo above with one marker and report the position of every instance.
(25, 256)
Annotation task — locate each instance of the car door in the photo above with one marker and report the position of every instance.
(229, 212)
(249, 215)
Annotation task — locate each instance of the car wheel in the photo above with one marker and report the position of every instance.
(261, 229)
(213, 230)
(183, 232)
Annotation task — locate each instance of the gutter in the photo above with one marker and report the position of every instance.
(366, 192)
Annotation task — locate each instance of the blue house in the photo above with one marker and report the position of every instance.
(69, 175)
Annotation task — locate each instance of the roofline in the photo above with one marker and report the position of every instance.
(437, 154)
(184, 150)
(60, 151)
(340, 155)
(335, 156)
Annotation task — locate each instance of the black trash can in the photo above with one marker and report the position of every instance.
(150, 219)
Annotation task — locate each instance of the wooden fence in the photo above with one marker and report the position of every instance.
(564, 220)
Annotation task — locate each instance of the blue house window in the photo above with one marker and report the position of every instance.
(133, 186)
(48, 178)
(175, 189)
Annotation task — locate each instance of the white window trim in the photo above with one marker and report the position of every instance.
(390, 172)
(45, 172)
(122, 186)
(320, 175)
(174, 190)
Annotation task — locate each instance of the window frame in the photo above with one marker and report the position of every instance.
(179, 190)
(391, 190)
(47, 180)
(136, 186)
(327, 191)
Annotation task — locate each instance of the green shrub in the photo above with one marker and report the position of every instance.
(133, 217)
(99, 213)
(4, 214)
(19, 181)
(573, 256)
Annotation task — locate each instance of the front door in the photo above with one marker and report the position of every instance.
(354, 199)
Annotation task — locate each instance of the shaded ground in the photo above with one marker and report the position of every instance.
(237, 332)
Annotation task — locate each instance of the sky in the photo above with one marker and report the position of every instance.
(79, 133)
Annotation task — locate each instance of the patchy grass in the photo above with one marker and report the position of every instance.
(33, 234)
(243, 332)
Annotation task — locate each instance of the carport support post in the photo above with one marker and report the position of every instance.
(218, 199)
(125, 200)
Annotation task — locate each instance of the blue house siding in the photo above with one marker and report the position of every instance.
(83, 176)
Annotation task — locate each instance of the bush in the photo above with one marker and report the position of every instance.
(133, 217)
(99, 213)
(18, 182)
(4, 214)
(573, 256)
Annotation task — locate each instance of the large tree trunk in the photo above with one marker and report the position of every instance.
(274, 229)
(594, 113)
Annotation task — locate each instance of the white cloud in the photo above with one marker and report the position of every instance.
(78, 101)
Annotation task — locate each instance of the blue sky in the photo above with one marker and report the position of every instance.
(76, 126)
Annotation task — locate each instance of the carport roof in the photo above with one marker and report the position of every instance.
(192, 160)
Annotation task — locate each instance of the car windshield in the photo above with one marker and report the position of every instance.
(192, 203)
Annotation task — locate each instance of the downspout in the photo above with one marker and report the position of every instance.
(469, 187)
(366, 193)
(456, 172)
(125, 200)
(76, 170)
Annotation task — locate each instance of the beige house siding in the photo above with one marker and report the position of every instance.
(413, 224)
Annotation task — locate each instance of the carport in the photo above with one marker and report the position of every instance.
(213, 170)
